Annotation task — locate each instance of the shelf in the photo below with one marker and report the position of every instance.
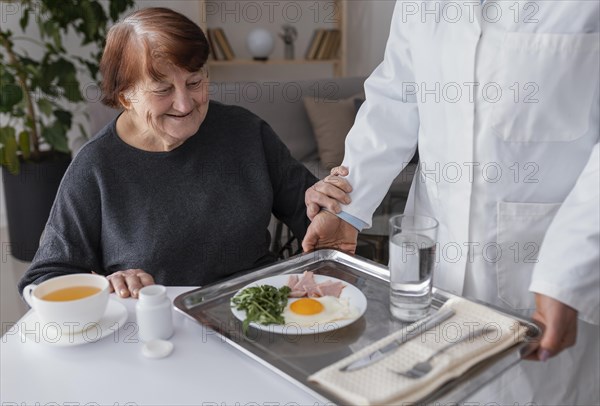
(234, 17)
(237, 62)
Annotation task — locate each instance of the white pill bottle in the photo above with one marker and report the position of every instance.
(154, 314)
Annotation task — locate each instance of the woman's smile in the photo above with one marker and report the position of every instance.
(179, 116)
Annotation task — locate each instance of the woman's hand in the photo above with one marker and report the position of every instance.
(329, 231)
(328, 193)
(129, 282)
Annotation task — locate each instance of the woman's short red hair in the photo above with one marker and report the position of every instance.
(136, 45)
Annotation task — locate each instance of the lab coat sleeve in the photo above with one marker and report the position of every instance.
(568, 267)
(384, 136)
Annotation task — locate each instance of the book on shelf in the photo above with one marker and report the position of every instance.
(215, 52)
(313, 47)
(221, 49)
(324, 45)
(224, 44)
(336, 43)
(333, 45)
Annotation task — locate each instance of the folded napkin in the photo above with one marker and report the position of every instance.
(378, 383)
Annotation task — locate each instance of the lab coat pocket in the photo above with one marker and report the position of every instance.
(544, 87)
(521, 229)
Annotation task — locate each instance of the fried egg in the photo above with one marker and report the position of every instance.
(305, 312)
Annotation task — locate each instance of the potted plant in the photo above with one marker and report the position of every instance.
(38, 95)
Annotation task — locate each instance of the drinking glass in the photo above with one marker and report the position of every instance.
(412, 258)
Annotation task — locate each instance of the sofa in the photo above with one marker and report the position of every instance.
(284, 106)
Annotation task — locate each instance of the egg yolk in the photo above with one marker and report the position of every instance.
(306, 306)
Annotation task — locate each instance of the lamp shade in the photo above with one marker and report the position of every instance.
(260, 43)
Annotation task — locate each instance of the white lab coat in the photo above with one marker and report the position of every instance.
(503, 102)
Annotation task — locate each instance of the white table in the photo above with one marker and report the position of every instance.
(203, 369)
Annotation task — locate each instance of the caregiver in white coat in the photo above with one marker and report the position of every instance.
(502, 100)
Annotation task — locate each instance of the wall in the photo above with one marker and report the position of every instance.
(367, 27)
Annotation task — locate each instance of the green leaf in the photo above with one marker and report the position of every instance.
(49, 28)
(64, 118)
(9, 151)
(6, 36)
(57, 40)
(51, 91)
(24, 144)
(45, 107)
(90, 20)
(56, 136)
(24, 21)
(10, 95)
(52, 71)
(10, 92)
(29, 122)
(91, 65)
(67, 79)
(6, 132)
(119, 6)
(72, 92)
(18, 112)
(114, 9)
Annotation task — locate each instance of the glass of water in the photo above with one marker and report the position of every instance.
(412, 259)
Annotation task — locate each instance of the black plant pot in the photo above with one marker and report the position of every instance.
(29, 197)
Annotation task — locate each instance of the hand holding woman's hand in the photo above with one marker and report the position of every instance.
(129, 282)
(328, 193)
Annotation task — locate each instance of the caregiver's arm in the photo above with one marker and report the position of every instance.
(379, 145)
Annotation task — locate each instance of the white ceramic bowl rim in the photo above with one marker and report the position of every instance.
(66, 281)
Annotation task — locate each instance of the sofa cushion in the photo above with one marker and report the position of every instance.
(331, 120)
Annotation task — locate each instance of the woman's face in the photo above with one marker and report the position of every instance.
(168, 112)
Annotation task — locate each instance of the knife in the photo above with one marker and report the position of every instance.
(426, 324)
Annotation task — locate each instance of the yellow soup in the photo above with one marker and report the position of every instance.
(72, 293)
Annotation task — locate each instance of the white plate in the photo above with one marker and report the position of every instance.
(355, 297)
(32, 330)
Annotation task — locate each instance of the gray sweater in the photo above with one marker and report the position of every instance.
(188, 217)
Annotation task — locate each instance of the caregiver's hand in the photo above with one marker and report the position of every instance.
(559, 326)
(328, 193)
(129, 282)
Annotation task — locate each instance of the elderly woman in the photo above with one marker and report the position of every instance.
(177, 189)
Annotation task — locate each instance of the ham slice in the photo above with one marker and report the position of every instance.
(306, 282)
(292, 281)
(330, 288)
(306, 286)
(298, 293)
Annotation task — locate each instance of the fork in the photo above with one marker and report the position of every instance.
(422, 368)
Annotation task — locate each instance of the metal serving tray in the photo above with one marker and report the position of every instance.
(295, 357)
